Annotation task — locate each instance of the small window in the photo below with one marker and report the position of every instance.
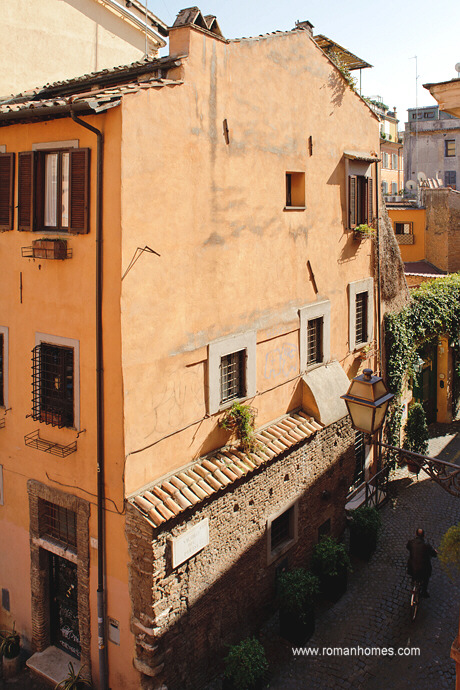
(232, 378)
(56, 190)
(450, 179)
(384, 187)
(361, 318)
(394, 188)
(282, 531)
(394, 161)
(360, 459)
(53, 385)
(58, 523)
(403, 228)
(449, 147)
(295, 190)
(360, 200)
(315, 341)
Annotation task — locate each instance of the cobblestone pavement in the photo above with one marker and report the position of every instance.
(375, 610)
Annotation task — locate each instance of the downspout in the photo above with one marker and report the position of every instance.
(101, 617)
(379, 305)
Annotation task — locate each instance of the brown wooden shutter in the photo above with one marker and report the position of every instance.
(26, 190)
(352, 190)
(79, 190)
(370, 199)
(6, 190)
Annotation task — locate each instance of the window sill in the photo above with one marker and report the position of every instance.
(227, 405)
(280, 550)
(294, 208)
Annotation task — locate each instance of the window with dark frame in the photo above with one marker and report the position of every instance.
(281, 529)
(450, 179)
(53, 190)
(360, 459)
(57, 522)
(361, 317)
(360, 200)
(53, 385)
(295, 190)
(449, 149)
(2, 373)
(403, 228)
(232, 376)
(315, 341)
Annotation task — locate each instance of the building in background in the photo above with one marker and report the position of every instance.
(432, 147)
(53, 40)
(391, 150)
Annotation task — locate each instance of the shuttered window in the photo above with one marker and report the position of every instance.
(360, 200)
(6, 190)
(53, 190)
(361, 318)
(352, 189)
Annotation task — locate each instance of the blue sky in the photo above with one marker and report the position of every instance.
(385, 34)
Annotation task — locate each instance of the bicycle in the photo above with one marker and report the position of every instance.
(416, 591)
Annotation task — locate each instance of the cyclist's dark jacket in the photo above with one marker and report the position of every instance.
(419, 564)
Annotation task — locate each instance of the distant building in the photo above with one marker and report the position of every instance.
(391, 150)
(432, 146)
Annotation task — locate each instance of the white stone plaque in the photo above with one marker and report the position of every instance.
(190, 542)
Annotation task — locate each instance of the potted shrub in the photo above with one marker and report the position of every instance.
(74, 681)
(245, 666)
(297, 590)
(331, 563)
(9, 649)
(365, 523)
(415, 435)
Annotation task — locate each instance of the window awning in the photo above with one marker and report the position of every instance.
(361, 156)
(322, 390)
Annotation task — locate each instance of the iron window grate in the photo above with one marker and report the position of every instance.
(281, 529)
(315, 341)
(53, 385)
(58, 523)
(360, 458)
(361, 317)
(232, 379)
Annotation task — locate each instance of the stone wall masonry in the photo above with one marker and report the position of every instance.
(183, 618)
(443, 228)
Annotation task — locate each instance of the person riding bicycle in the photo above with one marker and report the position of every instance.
(420, 555)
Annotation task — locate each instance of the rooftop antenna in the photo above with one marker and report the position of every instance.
(457, 67)
(146, 11)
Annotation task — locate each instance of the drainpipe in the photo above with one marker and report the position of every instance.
(379, 305)
(101, 618)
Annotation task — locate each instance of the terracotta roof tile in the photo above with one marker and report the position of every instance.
(171, 496)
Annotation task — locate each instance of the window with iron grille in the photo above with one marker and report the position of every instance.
(281, 529)
(450, 179)
(2, 395)
(57, 522)
(361, 317)
(315, 341)
(360, 458)
(232, 376)
(449, 148)
(53, 385)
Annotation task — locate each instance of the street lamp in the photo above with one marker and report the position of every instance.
(367, 401)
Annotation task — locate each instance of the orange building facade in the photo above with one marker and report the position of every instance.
(221, 207)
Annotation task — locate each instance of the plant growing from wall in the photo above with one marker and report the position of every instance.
(449, 551)
(338, 62)
(434, 310)
(240, 419)
(364, 231)
(9, 643)
(74, 681)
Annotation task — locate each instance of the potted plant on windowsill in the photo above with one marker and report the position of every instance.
(365, 523)
(331, 563)
(245, 666)
(364, 231)
(9, 649)
(74, 681)
(297, 590)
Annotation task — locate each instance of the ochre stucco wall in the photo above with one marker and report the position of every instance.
(58, 298)
(416, 251)
(231, 259)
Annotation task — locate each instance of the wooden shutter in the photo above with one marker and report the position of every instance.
(79, 190)
(370, 199)
(6, 190)
(26, 190)
(352, 201)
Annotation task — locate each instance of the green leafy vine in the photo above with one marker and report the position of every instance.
(240, 419)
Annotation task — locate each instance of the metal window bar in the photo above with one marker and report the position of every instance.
(57, 522)
(360, 457)
(361, 318)
(53, 385)
(281, 529)
(232, 383)
(315, 341)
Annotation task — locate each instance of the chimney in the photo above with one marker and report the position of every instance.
(308, 26)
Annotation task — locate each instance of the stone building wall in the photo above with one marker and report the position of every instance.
(183, 618)
(442, 239)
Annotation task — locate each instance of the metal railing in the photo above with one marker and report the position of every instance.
(372, 493)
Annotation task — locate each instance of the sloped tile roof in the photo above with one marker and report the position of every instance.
(422, 268)
(188, 487)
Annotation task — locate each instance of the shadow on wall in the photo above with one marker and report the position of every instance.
(185, 618)
(337, 86)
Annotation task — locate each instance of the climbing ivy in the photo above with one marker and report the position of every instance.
(434, 310)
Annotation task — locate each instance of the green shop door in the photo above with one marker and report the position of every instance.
(425, 390)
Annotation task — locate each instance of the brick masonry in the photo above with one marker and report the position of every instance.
(39, 570)
(184, 618)
(442, 237)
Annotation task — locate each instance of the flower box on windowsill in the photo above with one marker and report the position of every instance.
(33, 440)
(363, 232)
(47, 249)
